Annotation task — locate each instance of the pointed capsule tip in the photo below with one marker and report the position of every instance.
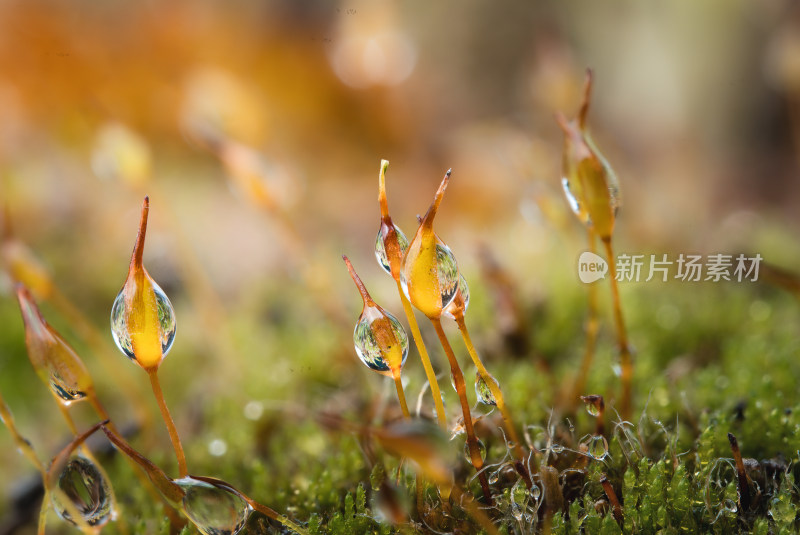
(358, 282)
(382, 189)
(138, 248)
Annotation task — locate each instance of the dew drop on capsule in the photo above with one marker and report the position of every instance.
(166, 322)
(213, 510)
(63, 390)
(380, 249)
(84, 485)
(483, 391)
(575, 204)
(379, 338)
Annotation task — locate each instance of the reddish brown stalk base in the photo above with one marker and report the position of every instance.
(616, 508)
(741, 474)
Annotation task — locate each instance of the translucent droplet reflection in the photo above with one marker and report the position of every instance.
(446, 273)
(463, 288)
(481, 450)
(380, 340)
(166, 321)
(573, 194)
(593, 404)
(597, 447)
(592, 409)
(212, 509)
(64, 391)
(380, 250)
(483, 391)
(85, 487)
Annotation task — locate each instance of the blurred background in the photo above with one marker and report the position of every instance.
(257, 129)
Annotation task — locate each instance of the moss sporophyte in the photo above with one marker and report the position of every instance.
(506, 464)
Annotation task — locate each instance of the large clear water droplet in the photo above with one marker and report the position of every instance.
(85, 487)
(446, 273)
(212, 509)
(66, 392)
(481, 450)
(483, 391)
(380, 250)
(380, 339)
(463, 288)
(593, 404)
(166, 320)
(597, 447)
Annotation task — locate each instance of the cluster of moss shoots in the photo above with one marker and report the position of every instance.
(543, 489)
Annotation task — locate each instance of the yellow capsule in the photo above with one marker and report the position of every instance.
(430, 271)
(55, 362)
(589, 182)
(142, 318)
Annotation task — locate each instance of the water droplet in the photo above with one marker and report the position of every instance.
(730, 505)
(494, 477)
(214, 510)
(463, 289)
(86, 488)
(597, 447)
(381, 341)
(447, 276)
(556, 448)
(119, 322)
(573, 192)
(483, 391)
(447, 272)
(380, 250)
(535, 492)
(481, 450)
(594, 404)
(51, 356)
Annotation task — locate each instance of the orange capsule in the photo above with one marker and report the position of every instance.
(55, 362)
(589, 182)
(142, 318)
(380, 340)
(430, 271)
